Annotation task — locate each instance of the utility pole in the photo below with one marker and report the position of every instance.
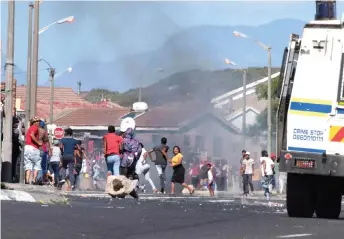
(140, 90)
(269, 102)
(1, 109)
(79, 87)
(34, 79)
(244, 108)
(8, 122)
(51, 115)
(28, 74)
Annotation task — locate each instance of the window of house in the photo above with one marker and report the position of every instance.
(199, 142)
(217, 147)
(186, 140)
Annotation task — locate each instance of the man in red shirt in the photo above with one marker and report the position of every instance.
(112, 143)
(32, 158)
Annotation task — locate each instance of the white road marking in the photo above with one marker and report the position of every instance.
(216, 201)
(295, 235)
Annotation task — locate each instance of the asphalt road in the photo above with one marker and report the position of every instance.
(167, 218)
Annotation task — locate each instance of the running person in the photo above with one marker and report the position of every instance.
(160, 161)
(142, 167)
(178, 170)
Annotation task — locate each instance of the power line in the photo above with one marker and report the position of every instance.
(24, 72)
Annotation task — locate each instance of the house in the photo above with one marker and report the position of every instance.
(65, 101)
(231, 103)
(193, 128)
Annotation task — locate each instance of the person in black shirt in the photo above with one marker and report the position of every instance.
(160, 161)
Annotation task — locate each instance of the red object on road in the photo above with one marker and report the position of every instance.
(59, 133)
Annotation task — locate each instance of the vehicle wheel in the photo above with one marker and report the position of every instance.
(329, 198)
(300, 195)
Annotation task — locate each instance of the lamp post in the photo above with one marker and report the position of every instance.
(268, 49)
(69, 19)
(244, 77)
(51, 80)
(37, 32)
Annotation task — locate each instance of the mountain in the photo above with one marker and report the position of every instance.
(194, 85)
(202, 47)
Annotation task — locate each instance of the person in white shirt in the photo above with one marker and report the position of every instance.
(210, 180)
(248, 172)
(267, 166)
(142, 167)
(55, 160)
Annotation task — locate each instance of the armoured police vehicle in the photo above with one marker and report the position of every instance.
(310, 118)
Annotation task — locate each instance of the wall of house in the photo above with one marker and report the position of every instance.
(209, 137)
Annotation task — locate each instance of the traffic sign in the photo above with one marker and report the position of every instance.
(58, 133)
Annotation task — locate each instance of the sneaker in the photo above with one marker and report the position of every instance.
(162, 191)
(252, 193)
(268, 196)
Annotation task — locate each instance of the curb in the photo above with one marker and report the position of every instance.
(33, 197)
(15, 195)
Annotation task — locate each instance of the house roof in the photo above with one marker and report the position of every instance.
(251, 101)
(92, 117)
(61, 94)
(65, 102)
(157, 118)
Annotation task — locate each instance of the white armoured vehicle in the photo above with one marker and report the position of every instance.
(310, 117)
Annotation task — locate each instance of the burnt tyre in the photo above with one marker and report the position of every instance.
(329, 198)
(300, 195)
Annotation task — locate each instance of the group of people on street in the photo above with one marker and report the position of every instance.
(268, 168)
(126, 159)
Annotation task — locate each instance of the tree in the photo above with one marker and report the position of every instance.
(261, 124)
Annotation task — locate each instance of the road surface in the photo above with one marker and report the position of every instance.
(155, 217)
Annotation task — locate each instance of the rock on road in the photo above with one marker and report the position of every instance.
(182, 217)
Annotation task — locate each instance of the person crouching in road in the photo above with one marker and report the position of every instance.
(178, 170)
(119, 186)
(267, 166)
(32, 157)
(210, 180)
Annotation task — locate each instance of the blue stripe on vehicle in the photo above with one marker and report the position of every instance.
(307, 150)
(320, 108)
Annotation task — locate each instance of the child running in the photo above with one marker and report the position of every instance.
(142, 167)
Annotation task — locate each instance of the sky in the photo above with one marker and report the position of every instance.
(103, 31)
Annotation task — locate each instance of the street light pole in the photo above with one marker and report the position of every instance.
(28, 76)
(244, 77)
(6, 169)
(244, 107)
(269, 102)
(269, 121)
(34, 79)
(51, 114)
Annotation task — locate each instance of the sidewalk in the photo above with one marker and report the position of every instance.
(257, 195)
(49, 194)
(32, 193)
